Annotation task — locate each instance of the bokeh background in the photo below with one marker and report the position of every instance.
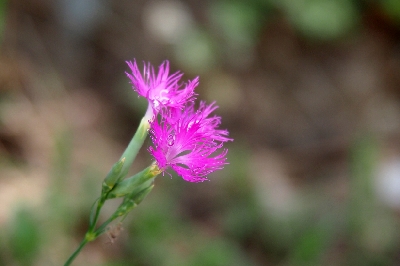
(309, 90)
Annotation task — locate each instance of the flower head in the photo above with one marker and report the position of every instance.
(186, 141)
(162, 89)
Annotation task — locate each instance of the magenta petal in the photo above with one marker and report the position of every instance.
(161, 89)
(188, 141)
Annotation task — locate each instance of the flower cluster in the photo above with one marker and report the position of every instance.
(184, 138)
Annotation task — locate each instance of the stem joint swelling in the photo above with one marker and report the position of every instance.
(90, 236)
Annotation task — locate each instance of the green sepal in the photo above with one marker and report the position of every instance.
(139, 197)
(131, 201)
(113, 176)
(128, 204)
(135, 183)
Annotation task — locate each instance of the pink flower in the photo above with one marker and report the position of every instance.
(186, 141)
(162, 89)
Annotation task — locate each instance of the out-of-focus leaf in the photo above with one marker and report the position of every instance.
(218, 252)
(196, 51)
(24, 237)
(322, 19)
(392, 7)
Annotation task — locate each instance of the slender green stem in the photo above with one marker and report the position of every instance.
(77, 251)
(102, 228)
(100, 204)
(90, 235)
(126, 160)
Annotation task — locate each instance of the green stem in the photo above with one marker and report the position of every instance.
(77, 251)
(100, 204)
(102, 228)
(91, 235)
(126, 160)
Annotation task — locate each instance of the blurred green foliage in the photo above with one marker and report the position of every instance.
(3, 9)
(322, 19)
(24, 236)
(196, 51)
(392, 8)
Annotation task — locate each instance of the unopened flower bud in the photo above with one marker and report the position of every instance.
(131, 201)
(137, 182)
(113, 176)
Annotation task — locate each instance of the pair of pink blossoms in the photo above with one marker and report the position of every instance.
(184, 139)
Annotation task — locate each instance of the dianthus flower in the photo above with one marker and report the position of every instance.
(161, 90)
(186, 140)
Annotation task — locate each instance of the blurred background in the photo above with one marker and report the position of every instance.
(309, 90)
